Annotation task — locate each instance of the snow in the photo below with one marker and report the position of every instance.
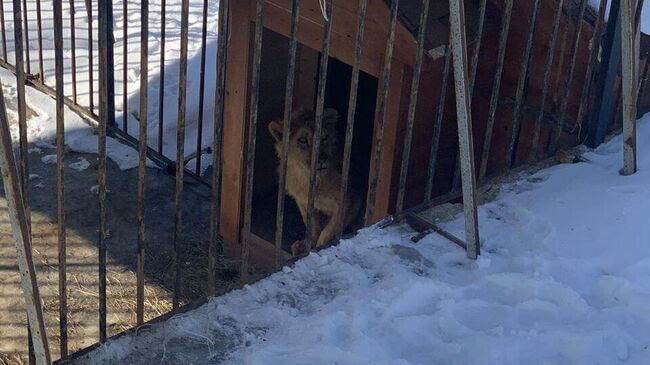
(563, 278)
(172, 55)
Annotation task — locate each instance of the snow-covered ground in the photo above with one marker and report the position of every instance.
(564, 278)
(172, 55)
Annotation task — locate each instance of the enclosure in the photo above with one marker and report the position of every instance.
(118, 106)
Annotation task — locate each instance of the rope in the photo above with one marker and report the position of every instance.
(323, 9)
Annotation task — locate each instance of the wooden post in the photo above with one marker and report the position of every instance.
(463, 108)
(22, 238)
(629, 86)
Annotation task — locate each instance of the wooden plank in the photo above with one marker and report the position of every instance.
(234, 124)
(629, 88)
(310, 33)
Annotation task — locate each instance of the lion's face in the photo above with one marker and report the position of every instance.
(301, 140)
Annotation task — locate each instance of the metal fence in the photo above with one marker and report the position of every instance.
(101, 113)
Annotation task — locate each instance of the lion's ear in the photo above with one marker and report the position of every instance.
(276, 129)
(330, 118)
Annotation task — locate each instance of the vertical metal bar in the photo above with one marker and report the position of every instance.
(215, 249)
(628, 88)
(288, 110)
(496, 85)
(415, 87)
(569, 79)
(252, 139)
(352, 109)
(73, 49)
(3, 31)
(91, 85)
(125, 65)
(522, 87)
(180, 153)
(23, 167)
(318, 124)
(477, 47)
(594, 46)
(26, 35)
(60, 192)
(381, 114)
(161, 87)
(545, 86)
(142, 156)
(199, 133)
(39, 24)
(463, 107)
(440, 112)
(106, 117)
(22, 238)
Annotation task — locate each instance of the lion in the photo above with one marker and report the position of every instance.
(328, 184)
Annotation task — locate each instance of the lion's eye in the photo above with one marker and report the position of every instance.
(303, 140)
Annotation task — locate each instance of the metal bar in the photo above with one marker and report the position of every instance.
(91, 87)
(318, 124)
(496, 85)
(522, 87)
(161, 87)
(477, 47)
(39, 25)
(545, 86)
(60, 186)
(199, 134)
(125, 65)
(463, 107)
(180, 153)
(415, 87)
(352, 109)
(26, 37)
(569, 80)
(3, 33)
(381, 114)
(22, 238)
(215, 248)
(142, 156)
(252, 138)
(106, 118)
(594, 46)
(440, 111)
(73, 50)
(23, 167)
(288, 110)
(628, 88)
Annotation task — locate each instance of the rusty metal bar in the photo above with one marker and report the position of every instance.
(60, 186)
(547, 75)
(477, 47)
(463, 108)
(199, 134)
(522, 87)
(3, 33)
(22, 238)
(106, 118)
(437, 126)
(23, 166)
(496, 85)
(318, 124)
(125, 65)
(252, 139)
(142, 156)
(73, 50)
(215, 248)
(415, 88)
(39, 25)
(26, 37)
(569, 80)
(180, 153)
(161, 86)
(91, 87)
(629, 87)
(594, 45)
(288, 110)
(381, 115)
(352, 109)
